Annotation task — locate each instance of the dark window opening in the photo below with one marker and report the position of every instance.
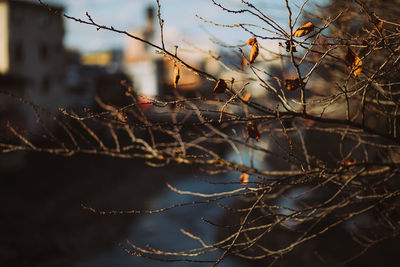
(19, 52)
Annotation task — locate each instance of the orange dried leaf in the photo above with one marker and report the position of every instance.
(244, 179)
(254, 49)
(353, 62)
(357, 65)
(220, 87)
(176, 75)
(292, 84)
(252, 131)
(378, 27)
(251, 41)
(244, 62)
(350, 162)
(304, 30)
(377, 22)
(253, 52)
(247, 97)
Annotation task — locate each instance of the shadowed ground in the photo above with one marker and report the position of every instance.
(42, 221)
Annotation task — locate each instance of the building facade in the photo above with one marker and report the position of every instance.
(31, 48)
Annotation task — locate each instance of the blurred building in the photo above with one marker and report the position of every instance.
(139, 59)
(31, 45)
(151, 72)
(31, 66)
(32, 53)
(96, 74)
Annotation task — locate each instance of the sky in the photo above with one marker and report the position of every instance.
(181, 24)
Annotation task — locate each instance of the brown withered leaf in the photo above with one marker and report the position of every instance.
(350, 162)
(251, 41)
(244, 179)
(254, 49)
(350, 57)
(220, 87)
(176, 75)
(287, 44)
(253, 52)
(243, 62)
(252, 131)
(304, 30)
(246, 96)
(353, 62)
(378, 27)
(292, 84)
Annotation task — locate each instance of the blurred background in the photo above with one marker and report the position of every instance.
(58, 63)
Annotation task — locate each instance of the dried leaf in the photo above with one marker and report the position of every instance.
(251, 41)
(350, 57)
(292, 84)
(304, 30)
(220, 87)
(253, 52)
(353, 62)
(176, 75)
(287, 43)
(244, 62)
(377, 22)
(378, 27)
(247, 97)
(244, 179)
(254, 49)
(252, 131)
(349, 162)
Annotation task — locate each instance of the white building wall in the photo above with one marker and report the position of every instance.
(144, 76)
(4, 60)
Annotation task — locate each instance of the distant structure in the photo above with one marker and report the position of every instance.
(96, 74)
(31, 64)
(33, 60)
(152, 74)
(31, 47)
(139, 60)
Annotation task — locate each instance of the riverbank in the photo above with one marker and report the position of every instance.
(43, 222)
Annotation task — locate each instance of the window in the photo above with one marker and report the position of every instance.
(19, 52)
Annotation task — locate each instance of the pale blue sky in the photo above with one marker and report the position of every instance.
(179, 15)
